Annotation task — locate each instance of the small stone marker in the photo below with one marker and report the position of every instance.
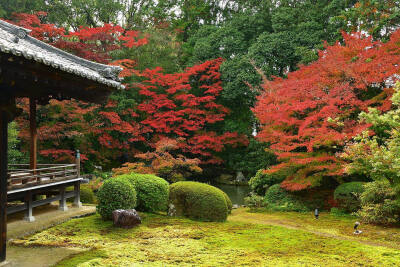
(126, 218)
(171, 210)
(316, 214)
(357, 232)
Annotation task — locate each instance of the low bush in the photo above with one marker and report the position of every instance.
(338, 212)
(254, 201)
(152, 191)
(347, 196)
(198, 201)
(379, 203)
(278, 199)
(115, 194)
(87, 194)
(262, 180)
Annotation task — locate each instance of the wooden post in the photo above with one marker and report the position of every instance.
(33, 133)
(77, 193)
(28, 213)
(3, 183)
(78, 163)
(63, 201)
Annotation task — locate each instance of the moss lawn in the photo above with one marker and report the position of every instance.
(246, 239)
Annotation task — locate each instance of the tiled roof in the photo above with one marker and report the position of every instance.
(16, 40)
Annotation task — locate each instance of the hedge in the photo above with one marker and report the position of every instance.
(198, 201)
(115, 194)
(152, 191)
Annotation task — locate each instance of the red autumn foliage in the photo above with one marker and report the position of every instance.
(90, 43)
(314, 110)
(181, 105)
(165, 162)
(169, 105)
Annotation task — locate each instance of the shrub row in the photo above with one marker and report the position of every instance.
(150, 193)
(144, 192)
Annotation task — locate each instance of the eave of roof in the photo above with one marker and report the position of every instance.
(16, 40)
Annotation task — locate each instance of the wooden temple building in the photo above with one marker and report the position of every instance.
(33, 69)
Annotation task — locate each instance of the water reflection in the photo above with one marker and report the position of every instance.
(236, 193)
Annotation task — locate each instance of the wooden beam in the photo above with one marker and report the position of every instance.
(3, 183)
(33, 133)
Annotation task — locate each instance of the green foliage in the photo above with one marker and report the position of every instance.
(249, 159)
(338, 212)
(8, 7)
(254, 201)
(262, 180)
(87, 194)
(15, 155)
(198, 201)
(162, 50)
(347, 195)
(377, 156)
(378, 18)
(274, 53)
(278, 199)
(379, 203)
(152, 191)
(115, 194)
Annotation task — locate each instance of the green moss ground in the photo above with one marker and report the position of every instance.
(245, 240)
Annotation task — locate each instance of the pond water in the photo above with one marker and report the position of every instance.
(236, 193)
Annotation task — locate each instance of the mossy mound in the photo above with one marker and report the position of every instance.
(115, 194)
(199, 201)
(152, 191)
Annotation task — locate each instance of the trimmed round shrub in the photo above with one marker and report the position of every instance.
(228, 201)
(152, 191)
(87, 194)
(277, 198)
(115, 194)
(198, 201)
(347, 195)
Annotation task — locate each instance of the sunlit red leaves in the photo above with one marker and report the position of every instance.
(347, 79)
(90, 43)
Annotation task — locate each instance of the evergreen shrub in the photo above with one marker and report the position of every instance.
(115, 194)
(152, 191)
(380, 204)
(198, 201)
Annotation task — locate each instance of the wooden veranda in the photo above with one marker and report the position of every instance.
(32, 69)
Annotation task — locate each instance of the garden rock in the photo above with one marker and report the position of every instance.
(126, 218)
(235, 206)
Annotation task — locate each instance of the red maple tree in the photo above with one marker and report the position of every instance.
(308, 117)
(181, 105)
(63, 125)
